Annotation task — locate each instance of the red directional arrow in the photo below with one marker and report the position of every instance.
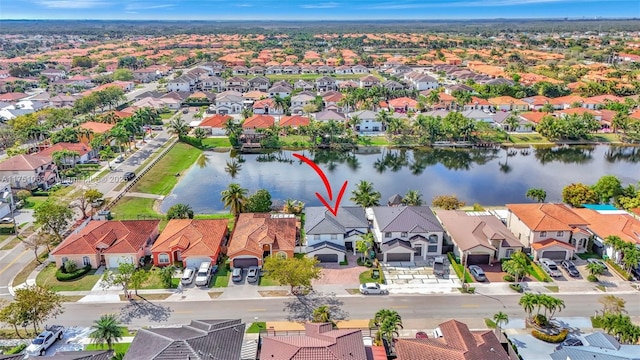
(327, 185)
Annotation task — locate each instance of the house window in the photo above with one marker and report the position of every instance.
(387, 234)
(433, 239)
(417, 251)
(404, 234)
(560, 234)
(543, 234)
(163, 258)
(432, 248)
(64, 260)
(316, 237)
(86, 261)
(508, 253)
(334, 237)
(281, 255)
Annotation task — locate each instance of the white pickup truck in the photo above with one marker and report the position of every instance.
(45, 339)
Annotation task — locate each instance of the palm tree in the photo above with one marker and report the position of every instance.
(528, 302)
(365, 196)
(538, 195)
(412, 198)
(433, 97)
(500, 319)
(232, 168)
(293, 206)
(365, 244)
(321, 314)
(595, 269)
(234, 198)
(200, 133)
(616, 243)
(516, 266)
(388, 323)
(106, 330)
(180, 211)
(178, 127)
(513, 122)
(630, 258)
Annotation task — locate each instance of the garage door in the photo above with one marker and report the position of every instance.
(327, 258)
(478, 259)
(398, 257)
(115, 261)
(245, 263)
(554, 255)
(195, 262)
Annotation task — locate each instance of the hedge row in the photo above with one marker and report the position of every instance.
(17, 349)
(550, 338)
(622, 272)
(72, 276)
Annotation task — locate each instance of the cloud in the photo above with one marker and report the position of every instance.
(72, 4)
(469, 3)
(147, 6)
(327, 5)
(243, 5)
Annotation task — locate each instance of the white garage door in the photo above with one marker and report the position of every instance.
(115, 261)
(195, 262)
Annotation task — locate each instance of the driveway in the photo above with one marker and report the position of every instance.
(495, 274)
(336, 274)
(412, 278)
(71, 340)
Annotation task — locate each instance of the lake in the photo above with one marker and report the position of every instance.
(484, 176)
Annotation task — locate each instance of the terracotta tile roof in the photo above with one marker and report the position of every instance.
(501, 100)
(252, 230)
(549, 243)
(468, 232)
(261, 104)
(547, 217)
(402, 102)
(533, 116)
(569, 99)
(81, 148)
(24, 162)
(114, 237)
(13, 96)
(295, 120)
(258, 122)
(216, 121)
(320, 342)
(457, 343)
(192, 237)
(96, 127)
(625, 226)
(479, 101)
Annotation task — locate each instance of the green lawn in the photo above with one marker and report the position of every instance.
(133, 208)
(295, 140)
(48, 277)
(256, 327)
(609, 138)
(155, 282)
(118, 347)
(266, 280)
(216, 142)
(585, 256)
(529, 138)
(32, 201)
(11, 244)
(162, 177)
(220, 278)
(365, 277)
(459, 269)
(373, 140)
(535, 271)
(166, 116)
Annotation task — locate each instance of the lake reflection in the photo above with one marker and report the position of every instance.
(485, 176)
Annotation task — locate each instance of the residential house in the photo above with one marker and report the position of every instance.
(536, 102)
(273, 70)
(478, 115)
(84, 151)
(299, 100)
(331, 100)
(29, 171)
(477, 103)
(62, 101)
(258, 235)
(212, 83)
(407, 233)
(478, 239)
(566, 102)
(259, 83)
(95, 128)
(324, 69)
(258, 121)
(343, 69)
(369, 81)
(303, 85)
(108, 243)
(240, 70)
(551, 231)
(421, 81)
(392, 85)
(597, 102)
(215, 125)
(237, 84)
(359, 69)
(328, 115)
(403, 104)
(6, 200)
(450, 89)
(280, 91)
(191, 242)
(320, 341)
(53, 74)
(508, 103)
(604, 223)
(454, 341)
(326, 83)
(200, 340)
(597, 346)
(146, 75)
(329, 237)
(294, 121)
(368, 123)
(229, 102)
(182, 83)
(291, 70)
(256, 70)
(81, 81)
(267, 106)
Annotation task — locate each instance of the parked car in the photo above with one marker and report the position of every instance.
(421, 335)
(253, 274)
(571, 341)
(636, 273)
(128, 176)
(93, 161)
(598, 261)
(439, 266)
(118, 159)
(550, 267)
(477, 273)
(203, 276)
(6, 220)
(157, 127)
(373, 288)
(187, 276)
(45, 339)
(236, 275)
(570, 268)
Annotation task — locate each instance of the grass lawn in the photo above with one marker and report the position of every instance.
(365, 276)
(162, 177)
(373, 141)
(530, 138)
(118, 347)
(610, 138)
(11, 244)
(295, 140)
(33, 201)
(133, 207)
(155, 282)
(165, 116)
(28, 269)
(585, 256)
(459, 269)
(48, 277)
(266, 280)
(256, 327)
(490, 323)
(220, 278)
(216, 142)
(71, 298)
(535, 271)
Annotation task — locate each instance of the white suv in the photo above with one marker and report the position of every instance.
(550, 267)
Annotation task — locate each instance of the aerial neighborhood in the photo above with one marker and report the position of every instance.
(176, 194)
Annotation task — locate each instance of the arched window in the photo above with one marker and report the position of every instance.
(163, 258)
(433, 239)
(86, 261)
(281, 255)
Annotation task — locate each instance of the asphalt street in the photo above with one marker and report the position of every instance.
(137, 314)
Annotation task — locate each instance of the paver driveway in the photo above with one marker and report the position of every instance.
(417, 278)
(336, 274)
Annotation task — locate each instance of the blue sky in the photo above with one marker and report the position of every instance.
(313, 10)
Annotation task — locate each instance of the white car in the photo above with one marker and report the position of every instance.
(188, 275)
(550, 267)
(373, 288)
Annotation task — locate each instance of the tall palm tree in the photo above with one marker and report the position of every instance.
(528, 302)
(365, 244)
(500, 319)
(516, 266)
(321, 314)
(234, 198)
(178, 127)
(388, 323)
(412, 198)
(365, 196)
(538, 195)
(106, 330)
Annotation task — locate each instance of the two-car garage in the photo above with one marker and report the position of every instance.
(244, 263)
(478, 259)
(115, 260)
(327, 258)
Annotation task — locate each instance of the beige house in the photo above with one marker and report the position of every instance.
(478, 239)
(551, 231)
(26, 171)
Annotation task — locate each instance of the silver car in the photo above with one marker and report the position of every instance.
(477, 273)
(253, 274)
(188, 275)
(373, 288)
(550, 267)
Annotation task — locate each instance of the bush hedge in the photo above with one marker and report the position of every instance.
(62, 276)
(551, 338)
(7, 230)
(508, 278)
(516, 287)
(17, 349)
(622, 272)
(592, 278)
(40, 193)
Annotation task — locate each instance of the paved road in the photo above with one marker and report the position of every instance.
(354, 307)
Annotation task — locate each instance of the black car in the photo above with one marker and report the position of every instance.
(570, 268)
(128, 176)
(636, 273)
(570, 342)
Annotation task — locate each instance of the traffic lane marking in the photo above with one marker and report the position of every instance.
(13, 261)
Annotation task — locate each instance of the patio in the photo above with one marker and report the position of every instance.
(418, 277)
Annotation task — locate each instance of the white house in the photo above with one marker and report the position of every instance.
(329, 237)
(229, 102)
(6, 200)
(368, 122)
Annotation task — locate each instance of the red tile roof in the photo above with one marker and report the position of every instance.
(547, 217)
(402, 102)
(192, 237)
(294, 121)
(216, 121)
(549, 243)
(258, 122)
(81, 148)
(96, 127)
(14, 96)
(625, 226)
(24, 162)
(113, 237)
(253, 230)
(533, 116)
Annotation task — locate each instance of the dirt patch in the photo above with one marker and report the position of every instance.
(274, 293)
(353, 291)
(148, 297)
(214, 294)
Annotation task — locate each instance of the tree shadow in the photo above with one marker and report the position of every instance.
(144, 309)
(300, 308)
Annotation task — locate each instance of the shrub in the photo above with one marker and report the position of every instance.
(6, 230)
(17, 349)
(592, 278)
(550, 338)
(40, 193)
(508, 278)
(540, 320)
(622, 272)
(69, 266)
(191, 141)
(61, 276)
(23, 194)
(516, 287)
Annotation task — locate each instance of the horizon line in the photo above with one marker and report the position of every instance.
(565, 18)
